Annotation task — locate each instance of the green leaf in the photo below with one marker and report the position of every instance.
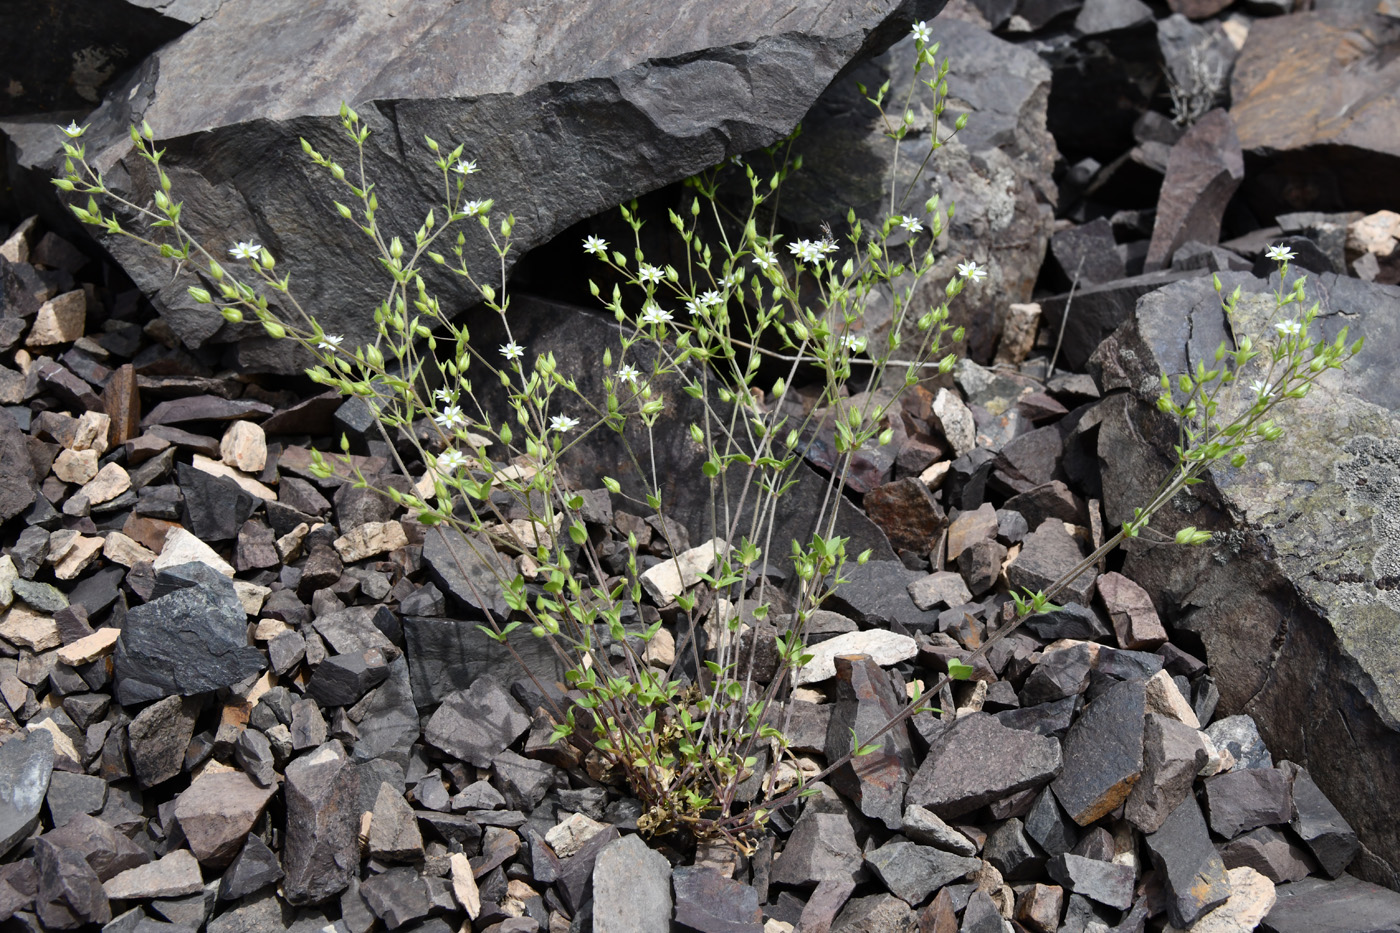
(957, 670)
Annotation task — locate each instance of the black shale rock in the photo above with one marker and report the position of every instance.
(397, 896)
(1046, 553)
(18, 484)
(1103, 754)
(1049, 825)
(1192, 870)
(190, 641)
(1172, 756)
(70, 893)
(1010, 850)
(977, 761)
(254, 868)
(476, 724)
(1061, 673)
(344, 679)
(321, 849)
(822, 847)
(865, 702)
(1105, 882)
(1313, 905)
(158, 738)
(215, 508)
(632, 891)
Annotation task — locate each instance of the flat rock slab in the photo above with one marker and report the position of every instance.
(26, 763)
(707, 900)
(1186, 859)
(173, 875)
(1346, 903)
(976, 761)
(634, 106)
(216, 813)
(912, 872)
(476, 724)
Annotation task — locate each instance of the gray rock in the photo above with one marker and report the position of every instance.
(865, 703)
(1271, 853)
(445, 655)
(1046, 554)
(632, 888)
(1239, 736)
(1345, 903)
(998, 163)
(1248, 799)
(523, 782)
(393, 828)
(1050, 719)
(878, 594)
(923, 826)
(1205, 167)
(173, 875)
(321, 849)
(476, 724)
(108, 852)
(1103, 754)
(18, 485)
(873, 914)
(1060, 674)
(1339, 455)
(158, 738)
(344, 679)
(1172, 756)
(1049, 825)
(912, 872)
(254, 868)
(253, 753)
(981, 915)
(1105, 882)
(976, 761)
(70, 794)
(257, 914)
(1011, 852)
(822, 847)
(1070, 621)
(1192, 870)
(575, 881)
(70, 893)
(1321, 826)
(193, 640)
(397, 896)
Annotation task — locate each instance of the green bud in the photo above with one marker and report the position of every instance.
(274, 330)
(200, 295)
(232, 315)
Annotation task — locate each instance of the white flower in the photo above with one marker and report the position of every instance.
(450, 417)
(733, 279)
(330, 342)
(650, 274)
(711, 298)
(73, 130)
(653, 314)
(911, 224)
(764, 259)
(443, 395)
(806, 251)
(245, 249)
(853, 343)
(563, 423)
(449, 462)
(694, 309)
(628, 373)
(920, 32)
(1288, 328)
(472, 208)
(465, 167)
(1261, 388)
(595, 245)
(1279, 253)
(825, 246)
(512, 350)
(970, 270)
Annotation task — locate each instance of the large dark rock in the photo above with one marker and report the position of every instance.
(632, 887)
(1298, 599)
(26, 763)
(1205, 167)
(321, 850)
(1327, 151)
(1347, 903)
(191, 641)
(476, 724)
(1188, 863)
(604, 103)
(865, 702)
(1103, 754)
(18, 484)
(446, 655)
(997, 170)
(977, 761)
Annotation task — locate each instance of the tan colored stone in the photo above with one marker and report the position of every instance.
(569, 835)
(1377, 233)
(120, 549)
(62, 744)
(246, 483)
(955, 420)
(1252, 896)
(1018, 333)
(933, 476)
(75, 466)
(181, 547)
(26, 628)
(244, 447)
(111, 481)
(8, 576)
(370, 539)
(661, 650)
(17, 245)
(885, 648)
(1164, 697)
(92, 432)
(268, 629)
(86, 650)
(251, 596)
(674, 576)
(464, 885)
(76, 557)
(523, 533)
(289, 545)
(61, 319)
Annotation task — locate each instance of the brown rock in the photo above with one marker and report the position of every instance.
(60, 320)
(1205, 167)
(121, 399)
(908, 513)
(1134, 618)
(217, 812)
(1039, 908)
(175, 875)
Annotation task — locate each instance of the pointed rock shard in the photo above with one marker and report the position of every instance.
(1205, 167)
(217, 812)
(1103, 753)
(865, 702)
(1189, 865)
(321, 849)
(26, 763)
(977, 761)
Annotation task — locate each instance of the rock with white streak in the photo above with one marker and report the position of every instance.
(674, 576)
(569, 835)
(884, 647)
(244, 447)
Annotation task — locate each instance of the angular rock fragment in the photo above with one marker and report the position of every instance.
(477, 723)
(1193, 873)
(1172, 757)
(1248, 799)
(924, 827)
(108, 852)
(26, 763)
(321, 849)
(1321, 826)
(1134, 618)
(882, 647)
(172, 875)
(216, 813)
(822, 847)
(1103, 754)
(632, 888)
(1105, 882)
(397, 896)
(865, 703)
(912, 872)
(1046, 554)
(976, 761)
(254, 868)
(1205, 167)
(393, 829)
(158, 738)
